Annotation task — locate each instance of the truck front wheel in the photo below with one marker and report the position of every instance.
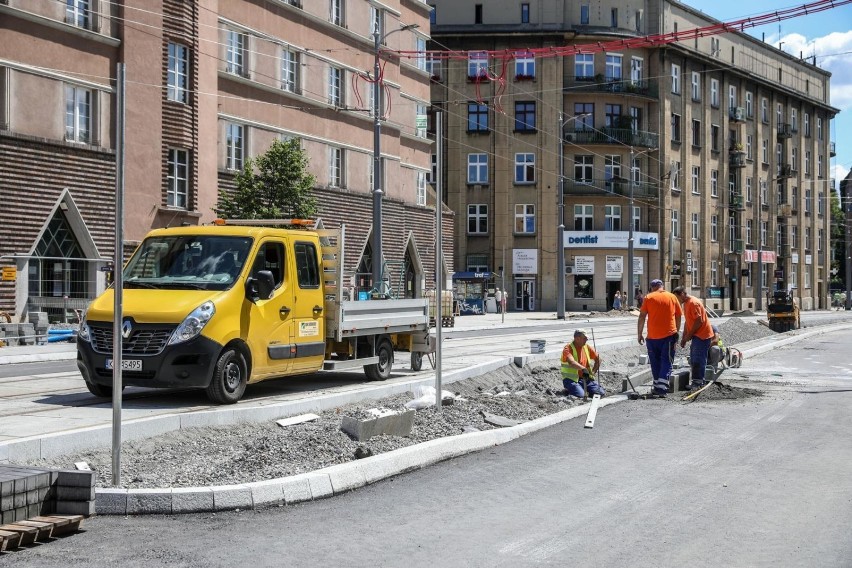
(229, 378)
(381, 370)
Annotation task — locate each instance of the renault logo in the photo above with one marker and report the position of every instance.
(126, 329)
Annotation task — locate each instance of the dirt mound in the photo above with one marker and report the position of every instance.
(721, 391)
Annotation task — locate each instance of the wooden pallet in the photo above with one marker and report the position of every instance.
(37, 529)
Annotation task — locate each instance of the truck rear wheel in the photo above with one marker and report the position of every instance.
(416, 360)
(381, 370)
(229, 378)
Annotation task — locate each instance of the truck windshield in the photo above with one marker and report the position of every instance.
(188, 262)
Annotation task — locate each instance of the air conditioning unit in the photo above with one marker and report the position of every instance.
(570, 136)
(569, 270)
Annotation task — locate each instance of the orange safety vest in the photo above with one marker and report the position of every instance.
(569, 372)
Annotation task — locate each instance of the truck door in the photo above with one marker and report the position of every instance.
(270, 320)
(308, 317)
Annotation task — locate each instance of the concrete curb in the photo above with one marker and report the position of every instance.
(325, 482)
(38, 358)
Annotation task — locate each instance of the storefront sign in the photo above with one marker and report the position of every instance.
(584, 265)
(525, 261)
(610, 239)
(614, 266)
(750, 255)
(638, 265)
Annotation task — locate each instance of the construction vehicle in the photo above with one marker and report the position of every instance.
(219, 307)
(783, 312)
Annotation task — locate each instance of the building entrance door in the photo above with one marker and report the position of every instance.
(612, 286)
(524, 295)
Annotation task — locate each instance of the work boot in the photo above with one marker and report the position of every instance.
(694, 386)
(659, 394)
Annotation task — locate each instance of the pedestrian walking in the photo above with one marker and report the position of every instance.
(698, 330)
(638, 297)
(498, 297)
(663, 312)
(580, 364)
(616, 301)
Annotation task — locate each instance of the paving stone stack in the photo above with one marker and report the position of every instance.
(26, 331)
(75, 492)
(40, 323)
(26, 492)
(10, 331)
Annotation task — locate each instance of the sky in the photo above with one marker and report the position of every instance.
(828, 35)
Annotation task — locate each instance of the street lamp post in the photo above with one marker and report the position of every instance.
(560, 230)
(378, 38)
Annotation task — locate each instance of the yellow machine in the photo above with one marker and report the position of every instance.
(782, 312)
(219, 307)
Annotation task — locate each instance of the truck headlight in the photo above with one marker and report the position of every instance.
(193, 324)
(85, 333)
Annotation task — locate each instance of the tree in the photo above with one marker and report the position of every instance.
(274, 185)
(839, 202)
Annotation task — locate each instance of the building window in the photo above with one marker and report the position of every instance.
(524, 218)
(612, 169)
(675, 176)
(78, 114)
(477, 117)
(433, 66)
(821, 204)
(714, 228)
(421, 188)
(749, 100)
(584, 115)
(335, 167)
(749, 230)
(377, 17)
(794, 120)
(635, 119)
(290, 71)
(477, 263)
(525, 116)
(749, 149)
(794, 236)
(584, 66)
(178, 73)
(235, 146)
(524, 168)
(732, 232)
(638, 21)
(477, 64)
(612, 217)
(714, 93)
(584, 169)
(477, 14)
(636, 70)
(637, 218)
(748, 194)
(807, 238)
(420, 48)
(779, 114)
(714, 273)
(695, 233)
(525, 12)
(584, 217)
(820, 171)
(819, 128)
(807, 123)
(696, 133)
(477, 219)
(732, 96)
(335, 86)
(612, 116)
(477, 168)
(764, 233)
(420, 120)
(807, 162)
(764, 151)
(584, 14)
(820, 237)
(714, 183)
(675, 224)
(77, 13)
(613, 18)
(177, 185)
(675, 79)
(524, 65)
(335, 12)
(714, 137)
(696, 176)
(433, 173)
(696, 86)
(764, 193)
(675, 127)
(779, 159)
(613, 67)
(235, 52)
(794, 159)
(764, 110)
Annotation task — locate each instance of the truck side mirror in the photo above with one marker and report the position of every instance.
(260, 286)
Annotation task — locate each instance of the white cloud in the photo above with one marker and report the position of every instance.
(839, 172)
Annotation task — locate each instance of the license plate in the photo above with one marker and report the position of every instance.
(127, 364)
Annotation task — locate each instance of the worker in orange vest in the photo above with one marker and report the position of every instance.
(698, 330)
(663, 312)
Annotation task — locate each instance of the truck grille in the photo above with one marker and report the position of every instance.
(143, 340)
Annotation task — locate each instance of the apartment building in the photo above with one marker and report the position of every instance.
(209, 85)
(711, 153)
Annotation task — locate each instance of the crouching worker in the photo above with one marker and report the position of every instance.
(580, 364)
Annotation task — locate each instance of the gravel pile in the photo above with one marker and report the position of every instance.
(736, 331)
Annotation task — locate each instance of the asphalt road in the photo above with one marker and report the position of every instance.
(762, 481)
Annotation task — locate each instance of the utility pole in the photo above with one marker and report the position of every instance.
(560, 231)
(630, 289)
(758, 301)
(845, 197)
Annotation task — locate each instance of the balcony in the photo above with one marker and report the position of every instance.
(604, 187)
(786, 171)
(737, 246)
(832, 150)
(736, 114)
(600, 84)
(737, 202)
(737, 159)
(625, 136)
(785, 210)
(784, 250)
(785, 130)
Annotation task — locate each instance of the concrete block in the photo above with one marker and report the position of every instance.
(21, 513)
(146, 501)
(267, 492)
(7, 516)
(227, 497)
(33, 510)
(65, 493)
(679, 381)
(390, 423)
(345, 477)
(75, 478)
(379, 467)
(86, 508)
(7, 487)
(111, 501)
(32, 497)
(296, 488)
(19, 499)
(192, 500)
(6, 503)
(320, 485)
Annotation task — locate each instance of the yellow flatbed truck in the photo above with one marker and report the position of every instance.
(219, 307)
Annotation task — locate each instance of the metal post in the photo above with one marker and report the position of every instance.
(759, 299)
(118, 277)
(630, 239)
(439, 265)
(377, 164)
(560, 231)
(846, 197)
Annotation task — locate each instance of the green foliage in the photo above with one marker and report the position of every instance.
(274, 185)
(837, 240)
